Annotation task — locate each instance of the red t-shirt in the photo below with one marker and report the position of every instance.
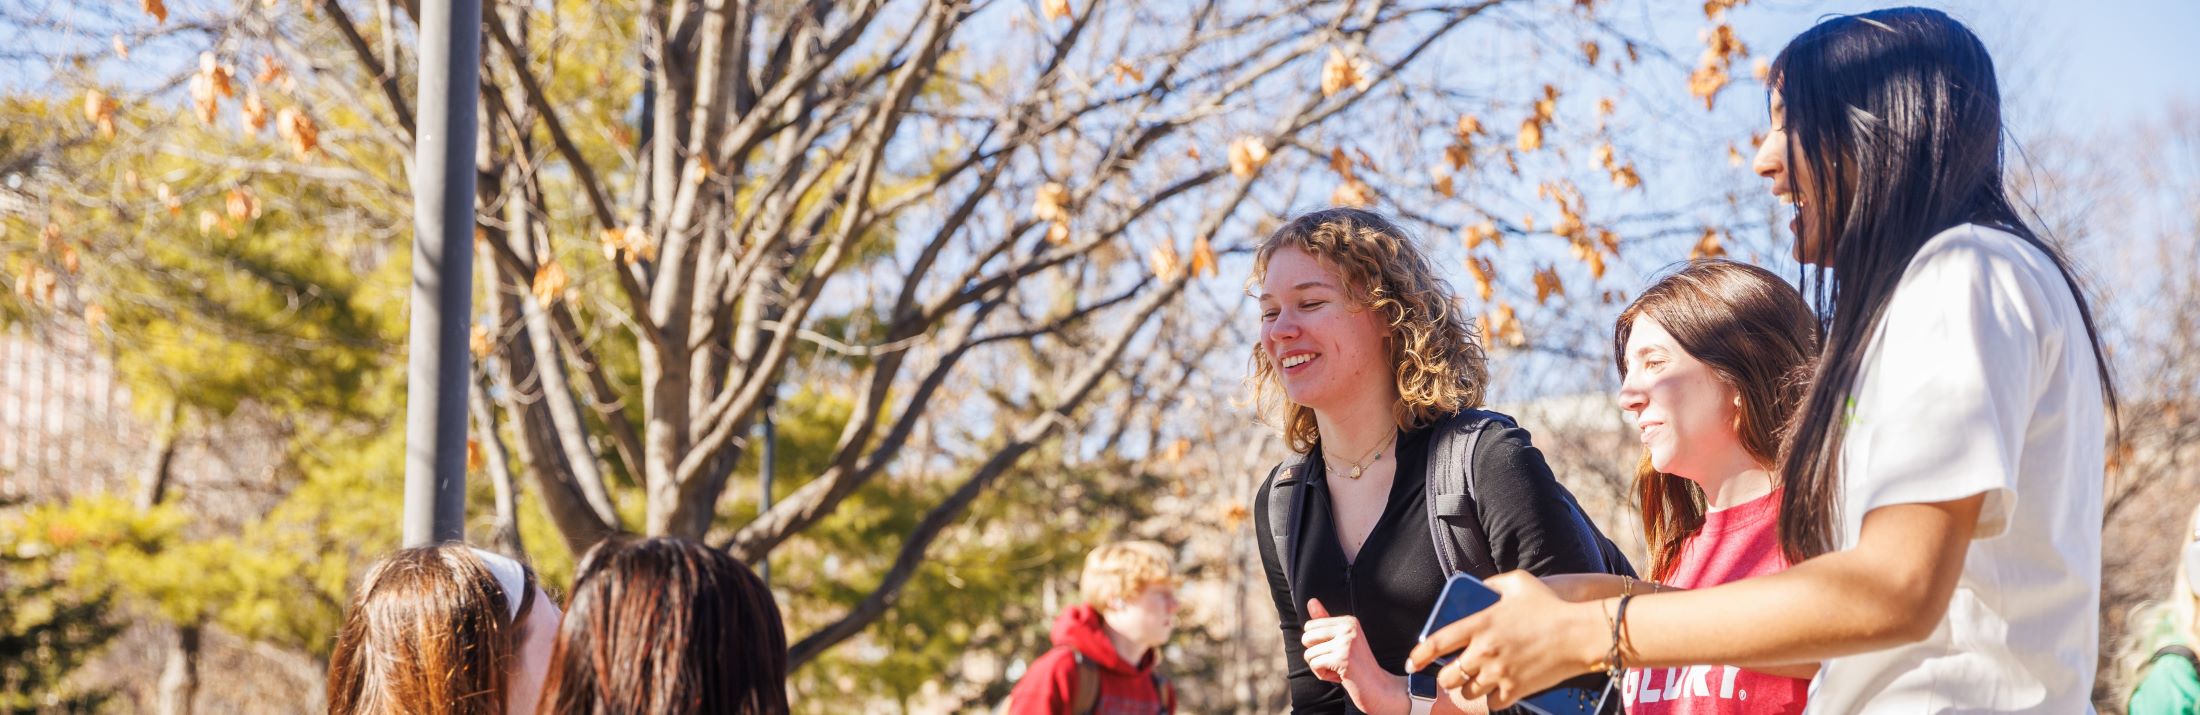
(1734, 544)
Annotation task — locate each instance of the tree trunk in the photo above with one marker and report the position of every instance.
(160, 461)
(179, 679)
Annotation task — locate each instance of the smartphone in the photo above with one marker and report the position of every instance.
(1465, 595)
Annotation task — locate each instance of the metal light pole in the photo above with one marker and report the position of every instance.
(443, 269)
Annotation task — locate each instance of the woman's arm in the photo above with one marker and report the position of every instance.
(1891, 588)
(1803, 671)
(1579, 587)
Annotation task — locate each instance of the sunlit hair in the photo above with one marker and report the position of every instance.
(1435, 354)
(1758, 337)
(1122, 570)
(667, 626)
(427, 634)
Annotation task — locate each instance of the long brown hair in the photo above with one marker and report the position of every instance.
(1435, 355)
(427, 634)
(1758, 337)
(667, 626)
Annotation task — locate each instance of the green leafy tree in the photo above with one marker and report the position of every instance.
(48, 629)
(954, 250)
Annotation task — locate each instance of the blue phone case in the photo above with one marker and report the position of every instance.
(1464, 596)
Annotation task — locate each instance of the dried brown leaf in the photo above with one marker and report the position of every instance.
(205, 100)
(1339, 72)
(1709, 246)
(1049, 203)
(271, 70)
(1247, 154)
(253, 113)
(1176, 450)
(1354, 193)
(297, 128)
(1127, 73)
(1505, 327)
(241, 204)
(1626, 178)
(1547, 284)
(1164, 261)
(1484, 276)
(1531, 135)
(550, 282)
(1469, 126)
(1460, 157)
(1203, 257)
(1484, 232)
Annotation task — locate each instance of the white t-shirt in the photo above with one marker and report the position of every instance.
(1981, 381)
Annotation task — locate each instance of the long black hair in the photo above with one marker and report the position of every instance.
(1893, 120)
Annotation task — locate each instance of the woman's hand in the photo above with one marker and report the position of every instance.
(1336, 649)
(1526, 643)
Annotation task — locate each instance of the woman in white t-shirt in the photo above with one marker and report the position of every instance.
(1943, 478)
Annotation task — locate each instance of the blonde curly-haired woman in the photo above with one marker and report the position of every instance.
(1373, 372)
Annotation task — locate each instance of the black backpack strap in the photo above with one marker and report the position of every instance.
(1454, 524)
(1286, 502)
(2176, 651)
(1165, 691)
(1085, 697)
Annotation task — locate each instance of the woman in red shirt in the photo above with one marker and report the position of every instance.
(1713, 360)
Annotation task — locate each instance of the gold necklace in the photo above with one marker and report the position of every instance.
(1360, 467)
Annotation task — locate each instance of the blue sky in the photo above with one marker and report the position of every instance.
(2108, 63)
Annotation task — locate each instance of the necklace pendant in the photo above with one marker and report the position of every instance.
(1357, 471)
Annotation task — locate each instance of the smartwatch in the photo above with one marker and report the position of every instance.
(1420, 694)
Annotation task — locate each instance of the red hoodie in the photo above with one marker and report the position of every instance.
(1051, 683)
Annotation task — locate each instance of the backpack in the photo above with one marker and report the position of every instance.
(1085, 700)
(1455, 526)
(2178, 651)
(2160, 702)
(1085, 695)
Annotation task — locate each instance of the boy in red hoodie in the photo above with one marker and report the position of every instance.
(1106, 648)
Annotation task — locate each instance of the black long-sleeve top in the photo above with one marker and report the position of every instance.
(1531, 521)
